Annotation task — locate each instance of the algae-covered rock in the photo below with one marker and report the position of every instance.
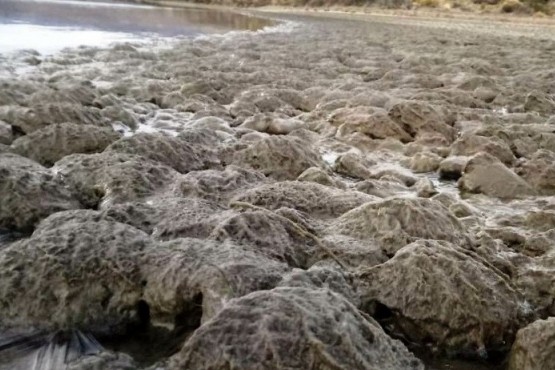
(270, 234)
(418, 118)
(470, 144)
(534, 346)
(293, 328)
(218, 185)
(172, 152)
(39, 116)
(83, 275)
(198, 277)
(170, 217)
(110, 177)
(52, 143)
(487, 175)
(312, 198)
(29, 193)
(398, 221)
(445, 297)
(279, 157)
(452, 168)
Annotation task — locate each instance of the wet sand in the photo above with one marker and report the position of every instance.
(398, 168)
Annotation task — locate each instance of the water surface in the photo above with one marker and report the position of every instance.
(50, 25)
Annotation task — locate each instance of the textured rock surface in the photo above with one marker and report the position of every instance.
(82, 275)
(172, 152)
(280, 157)
(534, 347)
(313, 198)
(444, 296)
(184, 273)
(29, 193)
(50, 144)
(292, 328)
(485, 174)
(112, 177)
(397, 222)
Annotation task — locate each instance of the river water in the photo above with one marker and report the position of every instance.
(48, 26)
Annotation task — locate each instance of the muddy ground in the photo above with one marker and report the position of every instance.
(326, 193)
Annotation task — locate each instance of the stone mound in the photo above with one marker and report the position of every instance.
(534, 347)
(215, 184)
(29, 193)
(396, 222)
(417, 118)
(39, 116)
(52, 143)
(172, 152)
(110, 178)
(292, 328)
(485, 174)
(439, 295)
(279, 157)
(312, 198)
(170, 218)
(80, 275)
(185, 276)
(269, 234)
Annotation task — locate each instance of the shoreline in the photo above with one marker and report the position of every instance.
(359, 12)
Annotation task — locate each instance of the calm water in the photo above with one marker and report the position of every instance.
(50, 25)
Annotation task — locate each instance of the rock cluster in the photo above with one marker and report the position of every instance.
(378, 191)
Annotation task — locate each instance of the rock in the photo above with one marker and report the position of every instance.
(394, 174)
(424, 162)
(319, 176)
(353, 165)
(322, 278)
(39, 116)
(539, 102)
(52, 143)
(104, 360)
(107, 178)
(398, 221)
(351, 252)
(470, 144)
(173, 152)
(271, 124)
(425, 188)
(279, 157)
(314, 199)
(269, 234)
(534, 347)
(535, 278)
(292, 328)
(6, 133)
(417, 118)
(168, 218)
(29, 193)
(212, 123)
(83, 275)
(541, 220)
(368, 121)
(74, 216)
(452, 168)
(439, 295)
(380, 188)
(539, 171)
(486, 94)
(76, 93)
(217, 185)
(487, 175)
(193, 279)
